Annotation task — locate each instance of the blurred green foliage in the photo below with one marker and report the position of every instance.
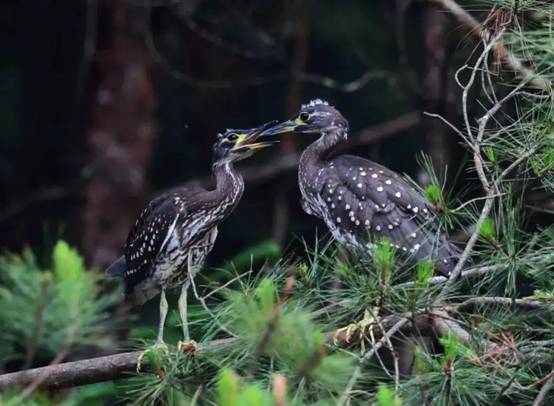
(50, 310)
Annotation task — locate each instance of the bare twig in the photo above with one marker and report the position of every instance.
(391, 332)
(236, 278)
(475, 141)
(541, 397)
(501, 51)
(196, 397)
(400, 323)
(470, 273)
(504, 301)
(448, 123)
(476, 199)
(348, 390)
(468, 248)
(392, 350)
(202, 301)
(471, 81)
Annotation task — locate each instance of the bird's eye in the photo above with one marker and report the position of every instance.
(304, 116)
(232, 137)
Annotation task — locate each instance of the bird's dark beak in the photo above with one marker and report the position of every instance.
(249, 138)
(284, 127)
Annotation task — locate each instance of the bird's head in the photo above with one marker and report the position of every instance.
(317, 116)
(234, 145)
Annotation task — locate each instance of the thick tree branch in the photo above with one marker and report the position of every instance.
(87, 371)
(74, 373)
(123, 365)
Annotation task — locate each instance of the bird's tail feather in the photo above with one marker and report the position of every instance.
(117, 269)
(424, 244)
(446, 257)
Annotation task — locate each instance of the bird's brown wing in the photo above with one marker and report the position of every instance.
(152, 230)
(360, 191)
(147, 239)
(368, 201)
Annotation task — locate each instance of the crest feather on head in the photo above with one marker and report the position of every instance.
(315, 102)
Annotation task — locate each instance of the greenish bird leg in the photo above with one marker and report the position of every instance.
(183, 310)
(159, 345)
(163, 313)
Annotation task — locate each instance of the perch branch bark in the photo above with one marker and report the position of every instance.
(74, 373)
(118, 366)
(87, 371)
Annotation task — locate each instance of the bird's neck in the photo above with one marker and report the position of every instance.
(320, 151)
(229, 184)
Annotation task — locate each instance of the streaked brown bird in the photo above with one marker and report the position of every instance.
(359, 200)
(171, 238)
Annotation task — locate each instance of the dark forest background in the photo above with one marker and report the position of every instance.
(107, 103)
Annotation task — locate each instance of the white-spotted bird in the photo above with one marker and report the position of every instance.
(360, 200)
(172, 236)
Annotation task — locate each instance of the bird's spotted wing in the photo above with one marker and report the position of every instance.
(149, 236)
(366, 201)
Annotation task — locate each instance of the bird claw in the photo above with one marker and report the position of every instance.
(188, 347)
(362, 328)
(151, 354)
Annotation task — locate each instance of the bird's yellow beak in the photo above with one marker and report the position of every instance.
(248, 138)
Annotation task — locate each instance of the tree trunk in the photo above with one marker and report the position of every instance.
(121, 131)
(433, 90)
(299, 19)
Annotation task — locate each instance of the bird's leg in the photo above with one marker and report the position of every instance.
(163, 313)
(160, 340)
(187, 346)
(207, 309)
(183, 310)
